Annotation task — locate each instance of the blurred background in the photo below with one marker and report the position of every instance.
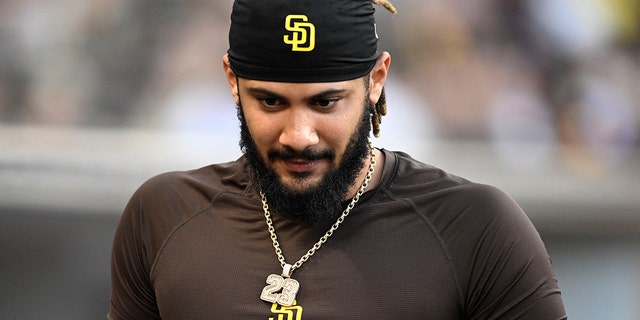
(538, 97)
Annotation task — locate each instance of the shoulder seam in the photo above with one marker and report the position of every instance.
(444, 248)
(176, 228)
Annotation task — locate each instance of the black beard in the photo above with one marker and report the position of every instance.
(319, 204)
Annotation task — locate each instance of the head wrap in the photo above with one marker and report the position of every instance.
(302, 40)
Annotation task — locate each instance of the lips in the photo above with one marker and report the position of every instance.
(300, 165)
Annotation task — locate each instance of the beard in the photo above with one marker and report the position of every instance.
(321, 203)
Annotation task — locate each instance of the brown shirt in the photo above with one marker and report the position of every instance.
(424, 244)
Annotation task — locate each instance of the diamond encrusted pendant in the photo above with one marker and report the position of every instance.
(281, 289)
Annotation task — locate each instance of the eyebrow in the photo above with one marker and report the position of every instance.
(262, 91)
(324, 94)
(321, 95)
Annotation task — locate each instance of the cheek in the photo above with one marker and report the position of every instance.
(261, 130)
(337, 132)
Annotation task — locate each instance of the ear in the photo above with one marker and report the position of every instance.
(378, 77)
(232, 80)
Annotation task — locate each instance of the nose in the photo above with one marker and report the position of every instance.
(299, 131)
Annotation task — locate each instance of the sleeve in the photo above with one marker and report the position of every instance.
(132, 296)
(508, 270)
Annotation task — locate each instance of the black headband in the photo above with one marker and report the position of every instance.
(302, 40)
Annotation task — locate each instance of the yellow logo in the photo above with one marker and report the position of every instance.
(303, 37)
(286, 313)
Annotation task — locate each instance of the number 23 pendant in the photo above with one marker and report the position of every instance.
(279, 289)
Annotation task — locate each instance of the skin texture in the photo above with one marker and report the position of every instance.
(311, 123)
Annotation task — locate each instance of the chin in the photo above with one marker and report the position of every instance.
(298, 185)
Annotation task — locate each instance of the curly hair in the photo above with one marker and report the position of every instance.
(380, 108)
(377, 110)
(386, 4)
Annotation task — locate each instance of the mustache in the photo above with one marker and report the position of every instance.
(306, 154)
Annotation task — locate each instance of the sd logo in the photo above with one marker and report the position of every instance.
(303, 37)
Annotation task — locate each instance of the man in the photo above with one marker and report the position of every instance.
(313, 222)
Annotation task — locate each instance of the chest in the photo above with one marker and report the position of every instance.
(392, 269)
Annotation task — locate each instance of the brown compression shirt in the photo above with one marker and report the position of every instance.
(424, 244)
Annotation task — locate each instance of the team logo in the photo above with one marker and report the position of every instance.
(303, 33)
(292, 312)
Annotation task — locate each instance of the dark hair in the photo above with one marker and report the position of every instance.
(377, 110)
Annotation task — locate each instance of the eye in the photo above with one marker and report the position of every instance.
(270, 101)
(325, 103)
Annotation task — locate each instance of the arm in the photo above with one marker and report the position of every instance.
(507, 272)
(132, 296)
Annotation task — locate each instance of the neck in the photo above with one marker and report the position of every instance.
(375, 178)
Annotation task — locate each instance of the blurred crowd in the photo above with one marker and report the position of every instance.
(538, 79)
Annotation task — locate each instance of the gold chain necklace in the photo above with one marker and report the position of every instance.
(282, 289)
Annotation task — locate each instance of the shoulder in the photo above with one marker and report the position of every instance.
(495, 253)
(449, 202)
(167, 200)
(407, 177)
(230, 175)
(157, 208)
(194, 188)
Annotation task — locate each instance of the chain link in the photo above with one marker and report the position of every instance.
(334, 227)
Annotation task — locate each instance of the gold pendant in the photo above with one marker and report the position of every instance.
(281, 289)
